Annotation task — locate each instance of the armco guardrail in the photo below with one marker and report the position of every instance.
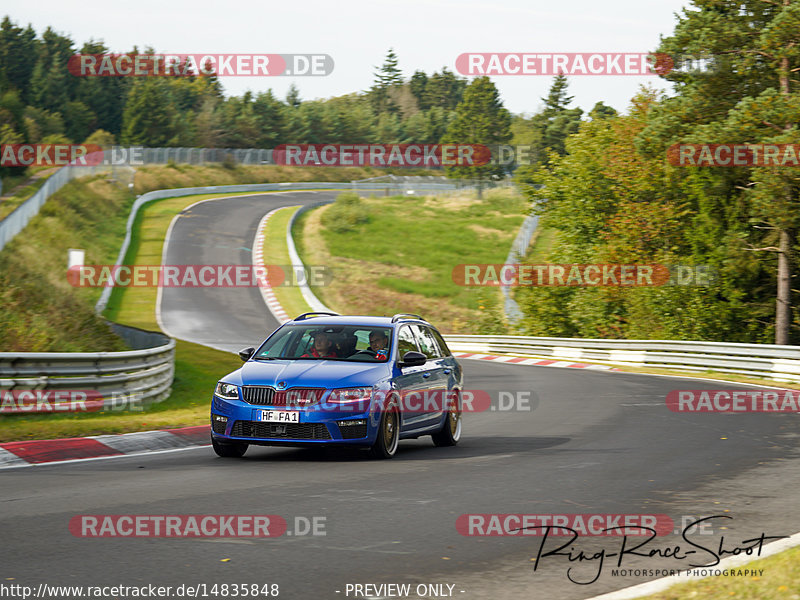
(15, 222)
(297, 264)
(761, 360)
(129, 379)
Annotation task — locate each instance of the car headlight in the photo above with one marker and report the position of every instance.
(227, 391)
(350, 395)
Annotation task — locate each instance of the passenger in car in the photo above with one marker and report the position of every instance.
(322, 347)
(378, 343)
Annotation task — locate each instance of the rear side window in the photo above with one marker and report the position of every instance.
(405, 341)
(427, 343)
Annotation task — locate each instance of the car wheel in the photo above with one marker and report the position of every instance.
(234, 450)
(388, 437)
(450, 432)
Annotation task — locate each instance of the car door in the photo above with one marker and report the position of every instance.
(411, 382)
(434, 374)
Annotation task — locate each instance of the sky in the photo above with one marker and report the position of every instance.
(425, 35)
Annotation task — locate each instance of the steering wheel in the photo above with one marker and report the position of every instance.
(367, 352)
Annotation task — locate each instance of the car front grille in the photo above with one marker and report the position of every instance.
(265, 395)
(218, 426)
(289, 431)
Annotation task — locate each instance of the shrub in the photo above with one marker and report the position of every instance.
(347, 213)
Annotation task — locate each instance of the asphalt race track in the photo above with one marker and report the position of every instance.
(597, 442)
(221, 233)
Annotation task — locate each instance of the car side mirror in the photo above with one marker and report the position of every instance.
(246, 353)
(413, 359)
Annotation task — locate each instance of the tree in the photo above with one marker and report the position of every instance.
(611, 204)
(418, 83)
(602, 111)
(557, 120)
(444, 89)
(40, 123)
(293, 96)
(480, 119)
(749, 94)
(104, 96)
(102, 138)
(150, 114)
(387, 76)
(18, 53)
(269, 112)
(80, 120)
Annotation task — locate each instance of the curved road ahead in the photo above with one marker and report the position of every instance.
(598, 442)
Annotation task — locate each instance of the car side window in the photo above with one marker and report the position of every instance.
(427, 344)
(405, 341)
(444, 350)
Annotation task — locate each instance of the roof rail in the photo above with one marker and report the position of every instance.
(399, 316)
(308, 315)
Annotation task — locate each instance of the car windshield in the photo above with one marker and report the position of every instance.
(353, 343)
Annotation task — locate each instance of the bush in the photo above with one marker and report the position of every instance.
(229, 162)
(347, 213)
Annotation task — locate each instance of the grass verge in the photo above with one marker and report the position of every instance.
(401, 257)
(778, 582)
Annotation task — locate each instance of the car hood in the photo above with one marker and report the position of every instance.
(309, 373)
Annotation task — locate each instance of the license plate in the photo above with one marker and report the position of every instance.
(280, 416)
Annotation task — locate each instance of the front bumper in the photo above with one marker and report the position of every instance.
(315, 427)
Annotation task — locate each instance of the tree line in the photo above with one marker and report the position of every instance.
(41, 102)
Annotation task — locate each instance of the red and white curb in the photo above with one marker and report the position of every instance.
(518, 360)
(264, 287)
(37, 452)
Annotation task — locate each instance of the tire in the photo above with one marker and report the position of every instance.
(234, 450)
(450, 433)
(388, 437)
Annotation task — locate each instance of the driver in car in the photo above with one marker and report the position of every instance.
(378, 343)
(322, 348)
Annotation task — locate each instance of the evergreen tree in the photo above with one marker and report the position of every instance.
(387, 76)
(480, 119)
(150, 114)
(293, 96)
(18, 53)
(444, 89)
(418, 83)
(557, 120)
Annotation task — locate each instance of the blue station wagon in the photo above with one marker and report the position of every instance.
(324, 379)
